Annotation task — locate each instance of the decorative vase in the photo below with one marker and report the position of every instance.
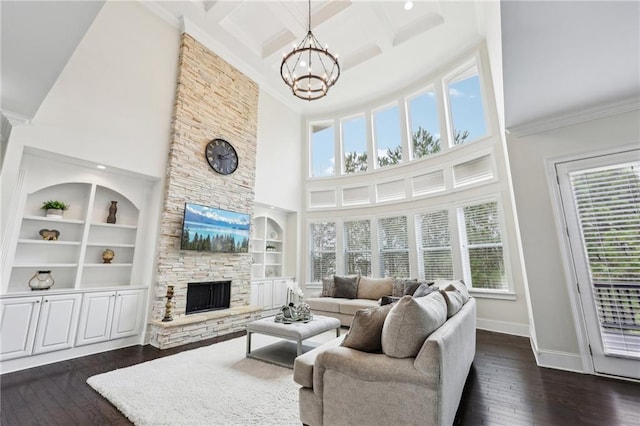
(168, 306)
(107, 256)
(112, 212)
(55, 213)
(41, 280)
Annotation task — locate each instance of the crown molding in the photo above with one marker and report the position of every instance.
(15, 119)
(568, 119)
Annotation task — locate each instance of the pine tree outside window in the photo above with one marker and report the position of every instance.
(394, 247)
(357, 247)
(434, 246)
(322, 256)
(481, 247)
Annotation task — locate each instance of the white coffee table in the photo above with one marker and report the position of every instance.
(297, 332)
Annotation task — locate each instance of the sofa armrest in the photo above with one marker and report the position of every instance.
(449, 352)
(366, 366)
(303, 364)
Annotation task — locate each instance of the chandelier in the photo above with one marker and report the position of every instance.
(310, 69)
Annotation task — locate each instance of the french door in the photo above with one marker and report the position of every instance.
(601, 206)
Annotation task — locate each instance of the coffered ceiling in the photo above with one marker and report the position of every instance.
(381, 45)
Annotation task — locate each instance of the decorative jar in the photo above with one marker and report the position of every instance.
(41, 280)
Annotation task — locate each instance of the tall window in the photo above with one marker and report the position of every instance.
(481, 246)
(425, 127)
(467, 110)
(386, 124)
(323, 250)
(322, 150)
(354, 144)
(357, 247)
(434, 245)
(394, 247)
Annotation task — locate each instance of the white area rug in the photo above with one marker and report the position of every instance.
(212, 385)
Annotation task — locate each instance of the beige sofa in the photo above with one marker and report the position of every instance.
(368, 292)
(346, 386)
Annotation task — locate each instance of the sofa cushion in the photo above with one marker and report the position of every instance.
(410, 321)
(351, 306)
(346, 287)
(327, 304)
(365, 332)
(328, 286)
(374, 288)
(454, 298)
(458, 284)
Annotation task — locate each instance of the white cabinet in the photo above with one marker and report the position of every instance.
(96, 317)
(38, 324)
(269, 294)
(127, 316)
(18, 321)
(110, 315)
(57, 323)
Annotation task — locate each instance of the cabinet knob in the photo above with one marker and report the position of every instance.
(37, 301)
(46, 300)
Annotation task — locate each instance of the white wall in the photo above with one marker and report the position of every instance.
(112, 103)
(278, 165)
(553, 321)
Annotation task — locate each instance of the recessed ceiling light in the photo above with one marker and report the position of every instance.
(408, 5)
(101, 167)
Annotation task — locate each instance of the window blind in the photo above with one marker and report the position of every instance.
(393, 243)
(434, 245)
(481, 246)
(357, 247)
(323, 250)
(608, 207)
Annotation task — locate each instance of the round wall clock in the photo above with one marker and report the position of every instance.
(221, 156)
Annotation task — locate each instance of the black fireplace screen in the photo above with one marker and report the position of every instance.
(209, 296)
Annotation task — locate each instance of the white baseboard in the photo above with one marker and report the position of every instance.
(558, 360)
(503, 327)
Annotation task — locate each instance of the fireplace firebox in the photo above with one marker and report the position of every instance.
(208, 296)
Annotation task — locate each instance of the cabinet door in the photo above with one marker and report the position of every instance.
(96, 317)
(268, 295)
(257, 293)
(57, 323)
(279, 293)
(18, 320)
(127, 315)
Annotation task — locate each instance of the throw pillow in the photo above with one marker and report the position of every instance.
(423, 290)
(409, 322)
(458, 284)
(453, 298)
(398, 287)
(410, 287)
(366, 329)
(346, 287)
(328, 286)
(385, 300)
(374, 288)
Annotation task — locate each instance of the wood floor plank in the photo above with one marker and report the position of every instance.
(504, 387)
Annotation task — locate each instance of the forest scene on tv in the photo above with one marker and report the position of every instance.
(211, 229)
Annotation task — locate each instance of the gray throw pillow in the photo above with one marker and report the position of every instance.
(328, 286)
(365, 333)
(458, 284)
(410, 287)
(385, 300)
(346, 287)
(423, 290)
(454, 298)
(410, 322)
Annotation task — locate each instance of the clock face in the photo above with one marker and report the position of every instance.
(221, 156)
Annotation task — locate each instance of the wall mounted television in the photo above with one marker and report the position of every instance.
(214, 230)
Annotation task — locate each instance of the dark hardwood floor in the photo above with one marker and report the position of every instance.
(505, 387)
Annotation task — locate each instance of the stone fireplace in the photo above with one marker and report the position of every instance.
(213, 100)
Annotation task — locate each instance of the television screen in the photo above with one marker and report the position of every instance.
(216, 230)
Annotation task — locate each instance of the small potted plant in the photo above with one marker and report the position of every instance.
(55, 209)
